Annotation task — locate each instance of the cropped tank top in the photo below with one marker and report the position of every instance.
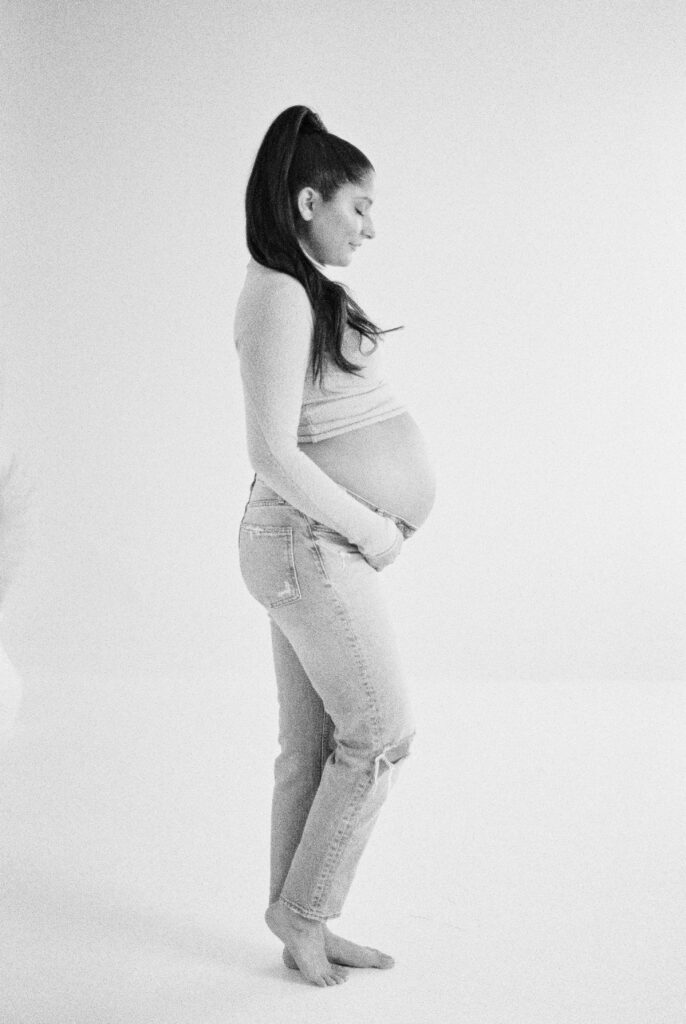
(343, 400)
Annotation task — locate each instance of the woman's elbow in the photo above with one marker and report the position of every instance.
(267, 462)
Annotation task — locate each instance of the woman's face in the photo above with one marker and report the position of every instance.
(331, 231)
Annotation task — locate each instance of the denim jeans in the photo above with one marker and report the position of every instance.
(345, 721)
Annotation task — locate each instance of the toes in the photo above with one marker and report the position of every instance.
(327, 979)
(336, 975)
(382, 960)
(331, 975)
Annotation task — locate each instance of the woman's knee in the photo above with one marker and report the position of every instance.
(392, 754)
(374, 759)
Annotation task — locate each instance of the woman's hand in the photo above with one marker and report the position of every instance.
(390, 554)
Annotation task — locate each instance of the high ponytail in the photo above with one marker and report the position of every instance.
(297, 151)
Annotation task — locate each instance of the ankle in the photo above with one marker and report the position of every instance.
(295, 920)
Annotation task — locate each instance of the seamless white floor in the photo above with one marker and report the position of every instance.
(528, 869)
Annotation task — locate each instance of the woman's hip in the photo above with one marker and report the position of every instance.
(286, 557)
(288, 560)
(331, 605)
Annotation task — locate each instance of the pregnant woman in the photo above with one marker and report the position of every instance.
(342, 479)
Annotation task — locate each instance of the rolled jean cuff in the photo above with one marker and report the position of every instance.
(309, 915)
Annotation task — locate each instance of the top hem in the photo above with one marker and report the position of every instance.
(348, 427)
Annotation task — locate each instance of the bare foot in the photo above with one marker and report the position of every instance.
(304, 941)
(342, 951)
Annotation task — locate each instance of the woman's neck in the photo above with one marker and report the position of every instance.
(318, 265)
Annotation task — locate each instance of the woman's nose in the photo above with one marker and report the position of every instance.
(368, 229)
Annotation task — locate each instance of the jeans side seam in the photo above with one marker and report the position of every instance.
(350, 636)
(338, 842)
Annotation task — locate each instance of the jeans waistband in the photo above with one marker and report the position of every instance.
(262, 494)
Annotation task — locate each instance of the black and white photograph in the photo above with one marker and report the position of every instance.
(342, 505)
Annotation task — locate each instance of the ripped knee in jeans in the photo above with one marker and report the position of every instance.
(390, 756)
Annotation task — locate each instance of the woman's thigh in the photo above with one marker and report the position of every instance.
(304, 726)
(330, 604)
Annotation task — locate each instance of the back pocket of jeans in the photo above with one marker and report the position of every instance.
(268, 565)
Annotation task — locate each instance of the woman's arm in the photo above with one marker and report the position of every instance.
(273, 339)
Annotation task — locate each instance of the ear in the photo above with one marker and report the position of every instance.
(307, 200)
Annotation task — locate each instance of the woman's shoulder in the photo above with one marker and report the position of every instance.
(268, 282)
(272, 301)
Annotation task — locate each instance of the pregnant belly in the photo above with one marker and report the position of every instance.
(386, 464)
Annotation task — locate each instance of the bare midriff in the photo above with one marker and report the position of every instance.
(386, 464)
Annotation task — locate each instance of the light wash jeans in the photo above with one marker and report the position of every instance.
(344, 718)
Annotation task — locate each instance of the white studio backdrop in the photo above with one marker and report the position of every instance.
(530, 220)
(530, 237)
(530, 210)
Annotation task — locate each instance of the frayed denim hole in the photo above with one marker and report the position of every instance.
(390, 756)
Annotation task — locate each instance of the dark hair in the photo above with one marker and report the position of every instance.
(296, 152)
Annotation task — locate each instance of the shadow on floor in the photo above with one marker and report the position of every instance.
(60, 903)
